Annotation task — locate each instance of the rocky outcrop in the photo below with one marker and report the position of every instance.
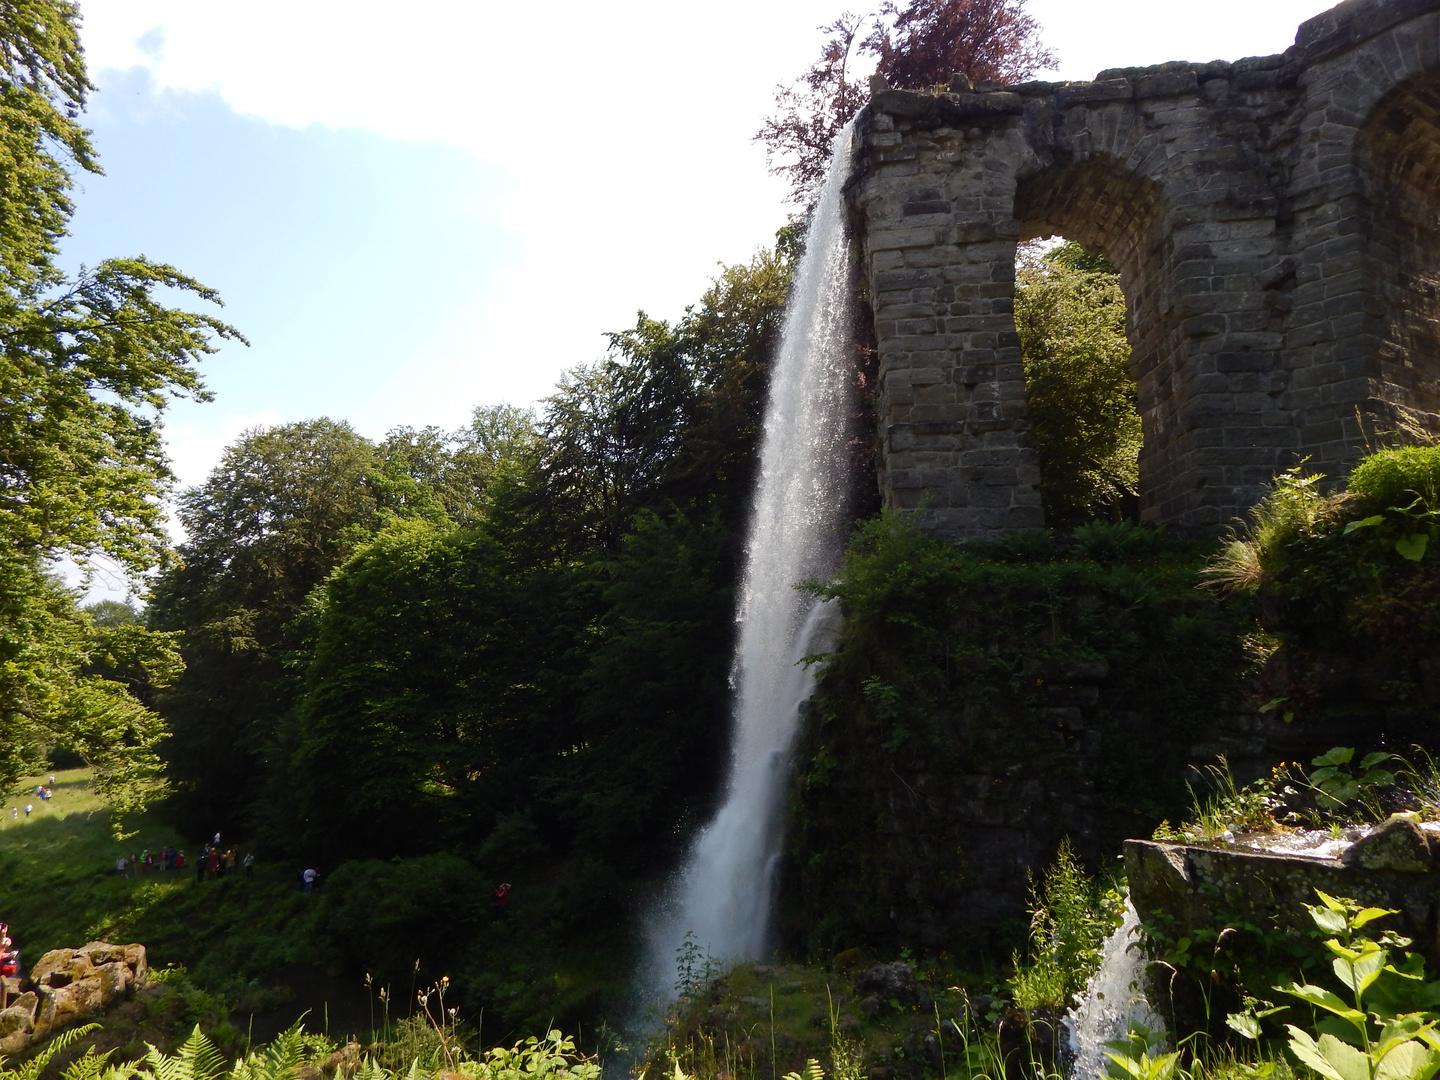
(66, 986)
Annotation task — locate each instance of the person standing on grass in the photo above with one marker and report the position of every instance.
(501, 910)
(249, 863)
(308, 877)
(28, 808)
(212, 863)
(200, 864)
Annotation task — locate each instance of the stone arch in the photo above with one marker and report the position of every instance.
(1101, 204)
(1398, 159)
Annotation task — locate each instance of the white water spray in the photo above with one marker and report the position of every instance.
(1113, 1003)
(723, 893)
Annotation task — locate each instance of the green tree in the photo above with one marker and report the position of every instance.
(87, 366)
(1070, 313)
(670, 416)
(284, 507)
(425, 713)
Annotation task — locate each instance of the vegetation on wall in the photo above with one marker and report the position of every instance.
(983, 702)
(1348, 590)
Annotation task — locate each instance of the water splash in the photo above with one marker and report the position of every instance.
(723, 894)
(1113, 1003)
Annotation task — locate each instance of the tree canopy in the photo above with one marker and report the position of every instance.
(87, 366)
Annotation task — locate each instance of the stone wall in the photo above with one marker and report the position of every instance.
(1276, 222)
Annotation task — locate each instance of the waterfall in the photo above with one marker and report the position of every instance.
(1113, 1003)
(723, 893)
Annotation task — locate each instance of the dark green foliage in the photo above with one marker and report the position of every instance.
(1070, 314)
(984, 702)
(386, 914)
(426, 691)
(1349, 587)
(279, 512)
(652, 717)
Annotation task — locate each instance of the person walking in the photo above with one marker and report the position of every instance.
(28, 808)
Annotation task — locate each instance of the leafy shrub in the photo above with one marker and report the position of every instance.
(386, 914)
(1398, 477)
(1071, 915)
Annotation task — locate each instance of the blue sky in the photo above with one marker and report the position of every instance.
(413, 212)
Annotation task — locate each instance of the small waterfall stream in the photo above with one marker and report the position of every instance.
(723, 893)
(1114, 1001)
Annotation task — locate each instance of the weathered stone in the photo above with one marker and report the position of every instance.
(895, 981)
(1276, 235)
(1395, 844)
(60, 967)
(64, 1006)
(1185, 881)
(16, 1018)
(70, 984)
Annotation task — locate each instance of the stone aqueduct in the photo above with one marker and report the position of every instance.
(1276, 222)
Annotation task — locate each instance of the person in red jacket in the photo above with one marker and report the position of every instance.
(502, 901)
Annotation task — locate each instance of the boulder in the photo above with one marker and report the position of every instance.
(64, 1006)
(61, 967)
(16, 1018)
(890, 982)
(1395, 844)
(116, 979)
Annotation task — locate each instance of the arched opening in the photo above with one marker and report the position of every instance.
(1110, 214)
(1399, 155)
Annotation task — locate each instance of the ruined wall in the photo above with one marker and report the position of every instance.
(1276, 222)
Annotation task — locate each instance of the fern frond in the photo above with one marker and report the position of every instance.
(197, 1059)
(31, 1069)
(278, 1061)
(812, 1071)
(370, 1069)
(88, 1066)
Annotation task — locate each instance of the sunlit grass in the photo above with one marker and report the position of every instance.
(59, 889)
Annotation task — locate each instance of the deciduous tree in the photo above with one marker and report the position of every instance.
(921, 44)
(87, 366)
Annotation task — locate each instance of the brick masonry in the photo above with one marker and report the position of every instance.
(1276, 222)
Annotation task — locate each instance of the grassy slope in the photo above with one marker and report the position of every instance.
(59, 888)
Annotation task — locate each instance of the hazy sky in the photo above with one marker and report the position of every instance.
(411, 211)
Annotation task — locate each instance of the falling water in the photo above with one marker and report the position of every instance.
(1113, 1003)
(723, 893)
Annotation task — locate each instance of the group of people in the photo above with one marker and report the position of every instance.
(167, 858)
(42, 792)
(216, 862)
